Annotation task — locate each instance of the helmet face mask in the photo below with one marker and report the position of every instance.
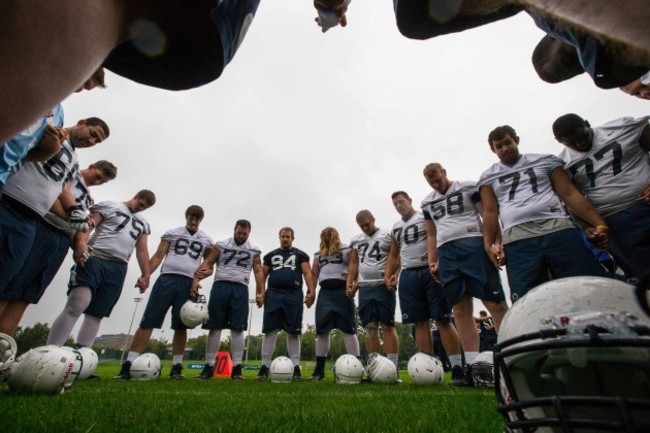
(281, 370)
(348, 370)
(194, 312)
(8, 349)
(574, 355)
(43, 370)
(483, 370)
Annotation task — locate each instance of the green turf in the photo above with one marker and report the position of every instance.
(223, 405)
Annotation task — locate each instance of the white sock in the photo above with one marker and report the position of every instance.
(237, 347)
(212, 346)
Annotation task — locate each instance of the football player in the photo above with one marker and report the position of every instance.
(51, 242)
(457, 258)
(377, 301)
(235, 257)
(284, 269)
(334, 309)
(180, 252)
(420, 297)
(97, 278)
(525, 192)
(611, 166)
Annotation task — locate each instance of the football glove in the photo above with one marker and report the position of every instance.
(79, 218)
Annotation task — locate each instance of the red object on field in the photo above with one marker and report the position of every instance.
(223, 364)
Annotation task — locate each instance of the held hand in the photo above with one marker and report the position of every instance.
(391, 283)
(350, 290)
(79, 219)
(194, 290)
(202, 273)
(331, 13)
(82, 253)
(497, 255)
(142, 283)
(259, 299)
(598, 236)
(309, 299)
(435, 271)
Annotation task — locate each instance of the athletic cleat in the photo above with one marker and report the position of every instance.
(462, 377)
(317, 376)
(94, 377)
(236, 373)
(207, 372)
(177, 371)
(263, 375)
(125, 372)
(296, 374)
(398, 381)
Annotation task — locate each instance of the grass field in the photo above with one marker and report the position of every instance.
(222, 405)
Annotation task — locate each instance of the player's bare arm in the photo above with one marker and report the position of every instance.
(259, 298)
(492, 247)
(79, 242)
(49, 144)
(597, 234)
(142, 255)
(258, 274)
(331, 13)
(207, 266)
(158, 256)
(432, 249)
(392, 266)
(310, 296)
(353, 272)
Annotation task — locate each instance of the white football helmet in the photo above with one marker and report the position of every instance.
(426, 369)
(146, 367)
(483, 369)
(281, 370)
(194, 312)
(8, 349)
(90, 361)
(348, 370)
(43, 370)
(573, 354)
(381, 369)
(78, 366)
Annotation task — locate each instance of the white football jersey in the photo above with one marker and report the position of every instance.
(334, 266)
(524, 191)
(616, 170)
(373, 254)
(83, 198)
(235, 261)
(115, 237)
(185, 251)
(411, 236)
(454, 213)
(38, 184)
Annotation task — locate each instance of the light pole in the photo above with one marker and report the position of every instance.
(250, 317)
(126, 340)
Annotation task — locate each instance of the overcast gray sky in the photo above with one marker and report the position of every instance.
(304, 129)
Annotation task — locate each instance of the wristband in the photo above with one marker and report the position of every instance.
(602, 228)
(645, 79)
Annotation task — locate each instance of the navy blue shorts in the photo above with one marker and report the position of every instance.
(533, 261)
(228, 306)
(105, 278)
(196, 42)
(17, 233)
(169, 290)
(283, 310)
(334, 310)
(420, 297)
(629, 240)
(466, 268)
(377, 304)
(45, 258)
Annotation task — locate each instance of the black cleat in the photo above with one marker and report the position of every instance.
(206, 373)
(318, 376)
(263, 375)
(236, 373)
(177, 371)
(125, 372)
(296, 374)
(462, 377)
(94, 377)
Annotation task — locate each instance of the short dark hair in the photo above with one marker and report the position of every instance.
(500, 132)
(365, 214)
(147, 196)
(195, 210)
(243, 223)
(396, 193)
(107, 168)
(96, 121)
(286, 229)
(567, 125)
